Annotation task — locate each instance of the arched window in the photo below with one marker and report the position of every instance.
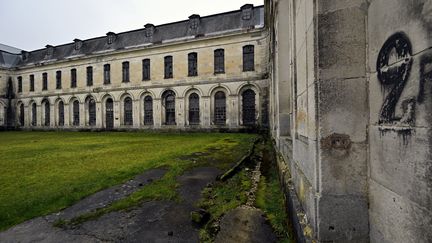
(21, 116)
(47, 113)
(169, 102)
(76, 115)
(109, 114)
(34, 114)
(148, 110)
(128, 118)
(61, 113)
(91, 103)
(220, 108)
(194, 109)
(248, 107)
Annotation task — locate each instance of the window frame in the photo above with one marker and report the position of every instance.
(44, 81)
(192, 64)
(32, 84)
(248, 58)
(125, 72)
(73, 78)
(107, 74)
(89, 76)
(168, 67)
(219, 61)
(58, 79)
(146, 69)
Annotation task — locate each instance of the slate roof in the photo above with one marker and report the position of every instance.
(246, 18)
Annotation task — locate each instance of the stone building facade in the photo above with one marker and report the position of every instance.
(193, 74)
(350, 111)
(344, 87)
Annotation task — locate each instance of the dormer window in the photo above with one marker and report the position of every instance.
(149, 30)
(247, 11)
(49, 51)
(111, 36)
(24, 55)
(77, 44)
(194, 21)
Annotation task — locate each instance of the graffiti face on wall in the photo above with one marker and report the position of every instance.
(393, 68)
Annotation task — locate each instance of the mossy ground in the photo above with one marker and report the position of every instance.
(44, 172)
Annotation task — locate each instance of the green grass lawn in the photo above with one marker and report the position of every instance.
(43, 172)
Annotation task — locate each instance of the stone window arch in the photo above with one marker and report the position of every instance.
(148, 110)
(194, 109)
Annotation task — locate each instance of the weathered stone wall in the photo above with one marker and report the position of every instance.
(233, 82)
(360, 91)
(400, 91)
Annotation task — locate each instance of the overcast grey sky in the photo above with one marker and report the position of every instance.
(32, 24)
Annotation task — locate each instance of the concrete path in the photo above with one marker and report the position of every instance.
(155, 221)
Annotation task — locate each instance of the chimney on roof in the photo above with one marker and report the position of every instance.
(247, 11)
(149, 30)
(194, 21)
(49, 51)
(77, 44)
(24, 55)
(111, 36)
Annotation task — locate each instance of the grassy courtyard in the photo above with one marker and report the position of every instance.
(43, 172)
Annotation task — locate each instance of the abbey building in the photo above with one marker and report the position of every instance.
(344, 88)
(196, 73)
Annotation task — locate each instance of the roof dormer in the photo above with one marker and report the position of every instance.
(194, 21)
(77, 44)
(49, 51)
(24, 55)
(111, 36)
(149, 30)
(247, 11)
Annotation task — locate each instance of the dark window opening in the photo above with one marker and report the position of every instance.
(47, 113)
(148, 110)
(32, 86)
(168, 66)
(109, 114)
(61, 114)
(19, 84)
(44, 81)
(146, 69)
(220, 108)
(89, 76)
(248, 58)
(76, 115)
(21, 115)
(58, 80)
(107, 74)
(219, 61)
(128, 112)
(125, 72)
(73, 78)
(193, 64)
(248, 107)
(34, 115)
(194, 109)
(92, 111)
(169, 100)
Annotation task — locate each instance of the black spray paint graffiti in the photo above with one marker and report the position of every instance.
(394, 66)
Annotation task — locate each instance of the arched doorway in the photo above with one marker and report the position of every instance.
(220, 108)
(169, 103)
(60, 113)
(248, 107)
(21, 115)
(128, 112)
(91, 106)
(75, 113)
(148, 110)
(194, 109)
(34, 114)
(109, 114)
